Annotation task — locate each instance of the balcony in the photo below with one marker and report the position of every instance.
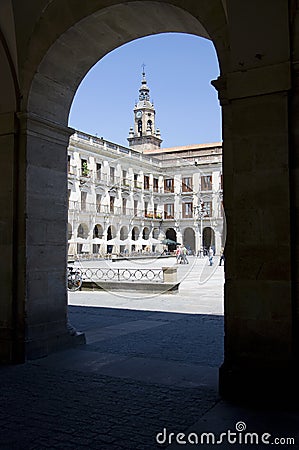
(153, 215)
(168, 189)
(100, 178)
(168, 216)
(186, 188)
(126, 184)
(137, 184)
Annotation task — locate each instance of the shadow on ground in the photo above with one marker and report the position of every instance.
(141, 372)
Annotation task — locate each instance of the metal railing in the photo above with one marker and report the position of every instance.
(108, 274)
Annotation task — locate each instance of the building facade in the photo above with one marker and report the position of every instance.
(131, 199)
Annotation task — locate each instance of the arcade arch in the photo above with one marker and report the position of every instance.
(189, 239)
(124, 233)
(257, 53)
(82, 231)
(135, 233)
(171, 234)
(208, 238)
(145, 233)
(98, 231)
(156, 233)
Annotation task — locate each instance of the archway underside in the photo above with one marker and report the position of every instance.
(255, 57)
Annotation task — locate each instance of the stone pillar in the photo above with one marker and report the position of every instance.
(217, 242)
(169, 274)
(44, 164)
(259, 336)
(12, 244)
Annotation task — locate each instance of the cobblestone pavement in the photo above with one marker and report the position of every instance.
(142, 374)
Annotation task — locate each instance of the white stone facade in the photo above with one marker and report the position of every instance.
(124, 201)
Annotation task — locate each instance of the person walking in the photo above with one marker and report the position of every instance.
(184, 255)
(222, 258)
(211, 254)
(178, 255)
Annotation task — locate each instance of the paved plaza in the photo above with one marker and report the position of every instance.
(200, 291)
(149, 369)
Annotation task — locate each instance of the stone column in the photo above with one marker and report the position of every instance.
(259, 346)
(44, 164)
(294, 160)
(12, 243)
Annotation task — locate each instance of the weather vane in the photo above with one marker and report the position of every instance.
(143, 69)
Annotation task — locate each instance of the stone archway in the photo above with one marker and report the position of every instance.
(171, 234)
(256, 92)
(156, 233)
(83, 36)
(124, 233)
(145, 233)
(98, 231)
(135, 233)
(208, 238)
(82, 231)
(189, 239)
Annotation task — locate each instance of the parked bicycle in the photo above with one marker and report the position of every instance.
(74, 279)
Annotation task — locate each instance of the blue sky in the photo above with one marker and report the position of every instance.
(179, 68)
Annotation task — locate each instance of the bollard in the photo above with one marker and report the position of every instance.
(169, 274)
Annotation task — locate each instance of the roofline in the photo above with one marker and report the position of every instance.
(185, 147)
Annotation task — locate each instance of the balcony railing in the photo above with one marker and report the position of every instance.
(85, 207)
(137, 184)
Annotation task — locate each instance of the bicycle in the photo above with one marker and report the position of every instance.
(74, 279)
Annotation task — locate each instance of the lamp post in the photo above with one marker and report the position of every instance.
(201, 213)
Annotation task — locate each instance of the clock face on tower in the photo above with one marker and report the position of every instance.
(139, 114)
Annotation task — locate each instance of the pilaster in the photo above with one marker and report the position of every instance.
(258, 287)
(12, 243)
(43, 145)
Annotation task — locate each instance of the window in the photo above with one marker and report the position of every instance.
(136, 182)
(112, 199)
(83, 200)
(99, 171)
(146, 182)
(124, 206)
(169, 185)
(135, 207)
(69, 163)
(207, 207)
(155, 184)
(84, 168)
(149, 125)
(124, 178)
(187, 184)
(112, 174)
(98, 202)
(187, 210)
(221, 181)
(145, 208)
(140, 127)
(169, 211)
(206, 183)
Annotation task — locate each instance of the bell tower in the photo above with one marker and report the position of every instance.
(144, 135)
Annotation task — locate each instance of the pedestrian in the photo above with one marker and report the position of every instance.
(222, 257)
(178, 254)
(184, 255)
(211, 254)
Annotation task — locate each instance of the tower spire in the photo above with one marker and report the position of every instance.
(144, 135)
